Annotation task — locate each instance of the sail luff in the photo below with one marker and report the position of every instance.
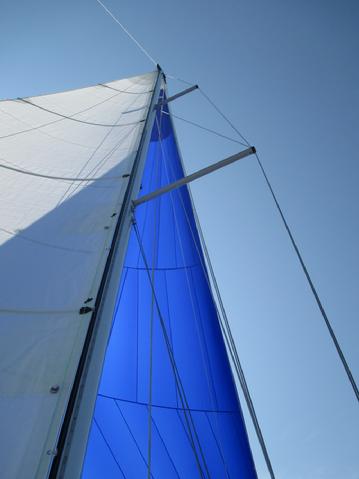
(69, 463)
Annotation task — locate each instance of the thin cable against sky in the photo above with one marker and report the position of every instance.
(143, 50)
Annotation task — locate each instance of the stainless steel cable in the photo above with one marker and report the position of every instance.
(143, 50)
(179, 385)
(298, 254)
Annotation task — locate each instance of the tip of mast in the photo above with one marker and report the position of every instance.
(254, 151)
(159, 69)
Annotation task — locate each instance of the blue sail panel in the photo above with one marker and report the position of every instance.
(167, 391)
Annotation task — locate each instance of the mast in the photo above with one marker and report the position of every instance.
(72, 441)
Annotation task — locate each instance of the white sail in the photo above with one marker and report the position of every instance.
(55, 231)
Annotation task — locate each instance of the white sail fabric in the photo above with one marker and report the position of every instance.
(54, 238)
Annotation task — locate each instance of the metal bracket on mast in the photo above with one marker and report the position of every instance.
(177, 95)
(194, 176)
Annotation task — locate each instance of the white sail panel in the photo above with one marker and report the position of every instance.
(55, 232)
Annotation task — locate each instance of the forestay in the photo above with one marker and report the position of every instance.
(54, 237)
(167, 405)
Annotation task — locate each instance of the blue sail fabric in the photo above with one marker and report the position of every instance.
(167, 393)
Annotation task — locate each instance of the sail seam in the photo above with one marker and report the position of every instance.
(146, 212)
(174, 408)
(174, 367)
(100, 162)
(218, 444)
(125, 91)
(53, 177)
(166, 448)
(50, 122)
(174, 268)
(18, 234)
(67, 117)
(131, 434)
(38, 311)
(154, 260)
(198, 321)
(109, 447)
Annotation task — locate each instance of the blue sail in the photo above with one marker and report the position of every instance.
(167, 405)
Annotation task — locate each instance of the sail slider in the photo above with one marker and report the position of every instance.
(194, 176)
(177, 95)
(85, 310)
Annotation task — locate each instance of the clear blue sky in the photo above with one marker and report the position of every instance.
(287, 74)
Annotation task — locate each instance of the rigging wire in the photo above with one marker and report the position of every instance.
(297, 251)
(179, 384)
(172, 77)
(311, 284)
(154, 263)
(227, 331)
(211, 388)
(206, 129)
(190, 437)
(223, 116)
(171, 408)
(143, 50)
(234, 353)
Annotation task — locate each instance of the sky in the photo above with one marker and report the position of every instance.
(286, 73)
